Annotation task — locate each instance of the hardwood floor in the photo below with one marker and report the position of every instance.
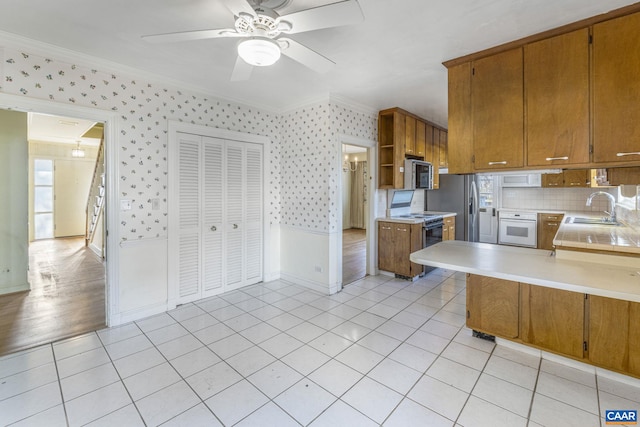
(66, 297)
(354, 255)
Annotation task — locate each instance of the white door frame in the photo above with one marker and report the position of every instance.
(111, 130)
(175, 127)
(372, 166)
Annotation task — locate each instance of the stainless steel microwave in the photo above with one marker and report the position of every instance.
(418, 175)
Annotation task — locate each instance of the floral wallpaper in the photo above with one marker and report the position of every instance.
(305, 169)
(144, 109)
(311, 162)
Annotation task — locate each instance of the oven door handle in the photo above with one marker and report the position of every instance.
(433, 226)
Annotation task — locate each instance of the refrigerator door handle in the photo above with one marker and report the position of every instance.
(474, 196)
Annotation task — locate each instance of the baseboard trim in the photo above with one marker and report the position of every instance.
(16, 289)
(137, 314)
(323, 288)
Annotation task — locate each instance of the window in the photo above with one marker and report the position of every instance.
(43, 198)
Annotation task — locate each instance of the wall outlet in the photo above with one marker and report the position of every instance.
(125, 205)
(155, 204)
(318, 269)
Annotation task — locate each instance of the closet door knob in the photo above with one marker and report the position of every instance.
(213, 228)
(235, 226)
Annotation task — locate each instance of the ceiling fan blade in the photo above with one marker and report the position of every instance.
(305, 56)
(241, 71)
(332, 15)
(184, 36)
(239, 6)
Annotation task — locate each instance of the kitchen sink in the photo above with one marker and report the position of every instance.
(593, 221)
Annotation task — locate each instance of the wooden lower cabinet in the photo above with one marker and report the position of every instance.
(449, 228)
(396, 242)
(385, 246)
(614, 336)
(598, 330)
(552, 319)
(548, 225)
(492, 305)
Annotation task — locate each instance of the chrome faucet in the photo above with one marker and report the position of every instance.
(612, 201)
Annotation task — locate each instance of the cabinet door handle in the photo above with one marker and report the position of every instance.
(552, 218)
(213, 228)
(386, 228)
(548, 159)
(632, 153)
(401, 229)
(575, 183)
(503, 162)
(552, 224)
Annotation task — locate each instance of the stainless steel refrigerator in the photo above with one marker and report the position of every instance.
(473, 198)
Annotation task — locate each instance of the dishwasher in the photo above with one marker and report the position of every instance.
(518, 229)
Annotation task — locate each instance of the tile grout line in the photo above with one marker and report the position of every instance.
(121, 381)
(535, 387)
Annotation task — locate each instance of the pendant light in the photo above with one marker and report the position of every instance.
(77, 152)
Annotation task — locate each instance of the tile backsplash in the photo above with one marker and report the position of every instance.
(562, 199)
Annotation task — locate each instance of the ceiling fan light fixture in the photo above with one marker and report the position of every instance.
(259, 51)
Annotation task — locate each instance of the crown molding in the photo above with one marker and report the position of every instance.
(353, 105)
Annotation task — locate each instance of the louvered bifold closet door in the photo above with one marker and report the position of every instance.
(188, 271)
(234, 226)
(253, 214)
(212, 225)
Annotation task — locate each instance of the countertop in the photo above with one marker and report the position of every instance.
(415, 220)
(622, 238)
(595, 276)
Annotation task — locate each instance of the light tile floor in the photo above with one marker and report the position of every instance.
(381, 352)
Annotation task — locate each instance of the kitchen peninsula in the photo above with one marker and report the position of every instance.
(580, 304)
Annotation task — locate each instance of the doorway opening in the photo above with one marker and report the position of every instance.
(355, 212)
(66, 275)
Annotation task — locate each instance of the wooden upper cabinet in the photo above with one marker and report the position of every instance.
(553, 180)
(421, 141)
(443, 149)
(460, 135)
(621, 176)
(616, 90)
(556, 81)
(497, 108)
(577, 178)
(391, 148)
(432, 155)
(409, 135)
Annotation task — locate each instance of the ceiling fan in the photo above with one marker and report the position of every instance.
(262, 29)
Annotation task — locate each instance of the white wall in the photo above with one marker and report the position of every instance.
(311, 173)
(14, 191)
(302, 190)
(144, 107)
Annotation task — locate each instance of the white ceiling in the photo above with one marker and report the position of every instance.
(62, 130)
(394, 58)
